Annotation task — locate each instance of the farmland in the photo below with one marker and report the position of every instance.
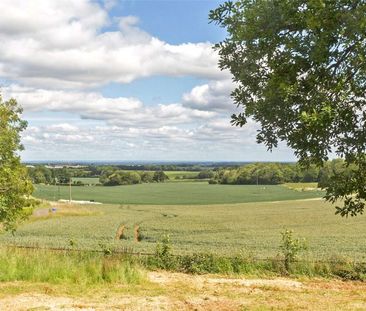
(250, 228)
(86, 180)
(177, 193)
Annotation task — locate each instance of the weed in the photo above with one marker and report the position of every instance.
(291, 247)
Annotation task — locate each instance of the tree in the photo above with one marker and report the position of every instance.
(15, 186)
(300, 71)
(160, 176)
(63, 176)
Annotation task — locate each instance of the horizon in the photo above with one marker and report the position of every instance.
(144, 162)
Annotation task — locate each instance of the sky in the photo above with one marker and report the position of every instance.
(121, 80)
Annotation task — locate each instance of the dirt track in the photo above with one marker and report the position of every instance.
(176, 291)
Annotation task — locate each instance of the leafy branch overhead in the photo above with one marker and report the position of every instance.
(301, 74)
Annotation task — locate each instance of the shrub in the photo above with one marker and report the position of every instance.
(163, 257)
(290, 248)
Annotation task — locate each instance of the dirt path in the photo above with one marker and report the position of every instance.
(176, 291)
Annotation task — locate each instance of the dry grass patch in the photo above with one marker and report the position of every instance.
(57, 209)
(177, 291)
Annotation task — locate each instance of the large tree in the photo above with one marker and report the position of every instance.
(15, 186)
(301, 74)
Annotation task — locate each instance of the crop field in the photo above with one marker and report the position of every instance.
(175, 193)
(249, 228)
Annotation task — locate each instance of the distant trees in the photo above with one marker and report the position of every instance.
(334, 169)
(119, 177)
(160, 176)
(41, 174)
(206, 174)
(108, 175)
(265, 174)
(279, 173)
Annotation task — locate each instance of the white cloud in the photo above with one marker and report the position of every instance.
(212, 140)
(212, 96)
(118, 111)
(109, 4)
(58, 53)
(63, 127)
(61, 44)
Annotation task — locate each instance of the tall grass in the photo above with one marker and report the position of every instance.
(246, 264)
(90, 268)
(67, 267)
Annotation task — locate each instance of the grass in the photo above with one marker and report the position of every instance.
(86, 180)
(178, 175)
(47, 210)
(184, 193)
(66, 267)
(309, 186)
(247, 228)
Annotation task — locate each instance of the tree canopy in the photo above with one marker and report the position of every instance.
(15, 186)
(300, 71)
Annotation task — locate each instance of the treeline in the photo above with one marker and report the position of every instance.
(119, 177)
(279, 173)
(250, 174)
(109, 176)
(43, 175)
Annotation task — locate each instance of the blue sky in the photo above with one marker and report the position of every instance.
(122, 80)
(174, 21)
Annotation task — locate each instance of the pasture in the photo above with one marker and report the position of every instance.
(87, 180)
(178, 175)
(184, 193)
(226, 229)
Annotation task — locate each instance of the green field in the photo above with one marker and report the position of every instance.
(174, 175)
(174, 193)
(87, 180)
(198, 217)
(251, 228)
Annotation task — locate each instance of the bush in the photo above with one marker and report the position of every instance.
(290, 248)
(163, 257)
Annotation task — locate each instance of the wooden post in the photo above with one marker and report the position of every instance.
(70, 191)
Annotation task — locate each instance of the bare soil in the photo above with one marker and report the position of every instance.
(177, 291)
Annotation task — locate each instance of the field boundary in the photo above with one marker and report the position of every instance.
(130, 252)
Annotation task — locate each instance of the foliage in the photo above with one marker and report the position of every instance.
(120, 177)
(300, 71)
(291, 247)
(265, 174)
(15, 186)
(205, 174)
(163, 257)
(160, 176)
(86, 268)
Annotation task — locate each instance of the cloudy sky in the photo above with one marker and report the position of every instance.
(121, 80)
